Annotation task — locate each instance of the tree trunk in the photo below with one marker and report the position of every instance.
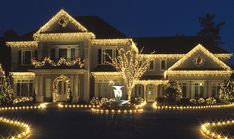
(129, 94)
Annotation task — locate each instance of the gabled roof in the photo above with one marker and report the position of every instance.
(99, 27)
(206, 52)
(174, 45)
(58, 16)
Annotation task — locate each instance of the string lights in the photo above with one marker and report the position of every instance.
(62, 61)
(116, 111)
(168, 107)
(22, 44)
(206, 129)
(76, 106)
(25, 128)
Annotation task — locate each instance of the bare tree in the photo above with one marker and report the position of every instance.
(132, 65)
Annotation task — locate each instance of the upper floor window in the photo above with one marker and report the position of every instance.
(68, 53)
(163, 64)
(24, 57)
(151, 66)
(105, 55)
(63, 53)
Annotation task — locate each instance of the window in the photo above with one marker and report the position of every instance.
(214, 90)
(63, 53)
(198, 89)
(24, 88)
(19, 57)
(163, 64)
(104, 89)
(73, 53)
(184, 90)
(27, 56)
(151, 66)
(52, 54)
(105, 55)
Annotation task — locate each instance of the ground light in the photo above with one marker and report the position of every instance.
(26, 128)
(205, 129)
(60, 105)
(168, 107)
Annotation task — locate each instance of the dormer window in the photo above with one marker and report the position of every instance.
(63, 22)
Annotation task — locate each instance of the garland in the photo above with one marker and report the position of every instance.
(62, 62)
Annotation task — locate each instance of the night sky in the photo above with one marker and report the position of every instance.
(133, 17)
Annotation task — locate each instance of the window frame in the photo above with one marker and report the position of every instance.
(29, 84)
(22, 62)
(161, 64)
(103, 56)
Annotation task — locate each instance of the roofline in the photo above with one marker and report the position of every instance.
(207, 52)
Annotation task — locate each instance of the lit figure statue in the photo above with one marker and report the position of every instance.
(118, 92)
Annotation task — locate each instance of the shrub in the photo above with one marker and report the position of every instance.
(193, 101)
(137, 100)
(210, 101)
(94, 101)
(226, 91)
(23, 101)
(201, 101)
(173, 92)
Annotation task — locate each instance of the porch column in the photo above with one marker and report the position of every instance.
(39, 88)
(144, 92)
(156, 91)
(95, 88)
(86, 87)
(75, 89)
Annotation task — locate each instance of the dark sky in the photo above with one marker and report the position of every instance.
(133, 17)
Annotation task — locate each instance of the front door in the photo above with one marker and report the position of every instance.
(198, 90)
(150, 93)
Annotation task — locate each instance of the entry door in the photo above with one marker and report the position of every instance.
(198, 90)
(150, 93)
(48, 88)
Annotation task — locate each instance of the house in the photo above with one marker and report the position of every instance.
(65, 60)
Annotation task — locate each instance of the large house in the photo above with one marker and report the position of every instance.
(65, 59)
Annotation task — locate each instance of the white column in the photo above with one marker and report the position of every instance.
(39, 88)
(156, 91)
(96, 88)
(145, 92)
(75, 88)
(86, 87)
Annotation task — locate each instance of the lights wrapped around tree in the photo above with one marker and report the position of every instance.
(131, 65)
(62, 62)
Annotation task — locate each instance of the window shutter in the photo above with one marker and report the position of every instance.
(19, 57)
(99, 56)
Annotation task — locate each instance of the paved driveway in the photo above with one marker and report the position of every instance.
(54, 123)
